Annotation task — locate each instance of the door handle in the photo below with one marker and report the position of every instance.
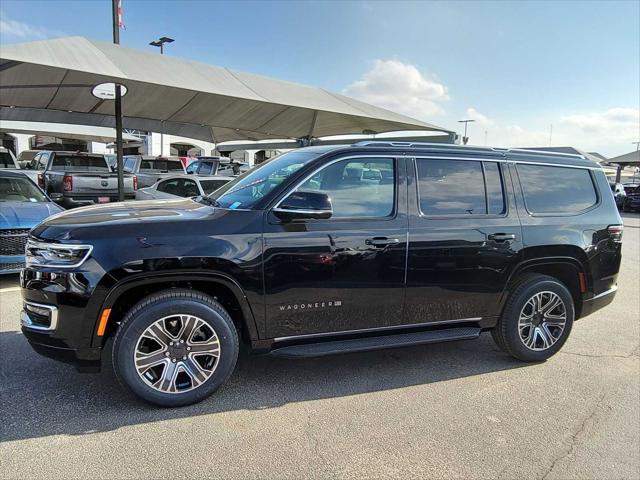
(502, 237)
(381, 241)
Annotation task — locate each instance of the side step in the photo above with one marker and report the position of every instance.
(376, 343)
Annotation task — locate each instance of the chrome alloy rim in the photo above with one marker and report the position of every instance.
(542, 321)
(177, 353)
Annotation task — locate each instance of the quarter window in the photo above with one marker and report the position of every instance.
(357, 188)
(459, 187)
(561, 190)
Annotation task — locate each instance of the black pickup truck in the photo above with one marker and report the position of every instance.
(75, 179)
(326, 250)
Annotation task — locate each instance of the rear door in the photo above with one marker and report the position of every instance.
(346, 272)
(464, 238)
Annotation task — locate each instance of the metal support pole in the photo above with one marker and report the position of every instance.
(618, 174)
(118, 110)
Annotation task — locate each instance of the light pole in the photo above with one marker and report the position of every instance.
(465, 139)
(160, 43)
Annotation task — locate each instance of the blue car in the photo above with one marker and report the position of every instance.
(23, 205)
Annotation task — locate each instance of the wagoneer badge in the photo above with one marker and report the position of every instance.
(311, 306)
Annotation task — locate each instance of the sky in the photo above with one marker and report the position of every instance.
(529, 73)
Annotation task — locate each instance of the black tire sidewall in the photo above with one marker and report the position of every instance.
(512, 313)
(126, 341)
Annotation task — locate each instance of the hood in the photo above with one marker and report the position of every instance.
(25, 214)
(127, 219)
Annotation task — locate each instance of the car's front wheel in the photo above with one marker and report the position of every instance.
(175, 348)
(537, 319)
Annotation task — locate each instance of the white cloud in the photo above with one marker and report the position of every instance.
(610, 132)
(400, 87)
(20, 30)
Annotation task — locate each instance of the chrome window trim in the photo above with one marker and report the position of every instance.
(394, 210)
(61, 246)
(26, 322)
(375, 329)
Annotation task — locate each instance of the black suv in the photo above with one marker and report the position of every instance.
(326, 250)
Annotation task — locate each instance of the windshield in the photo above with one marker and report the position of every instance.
(246, 190)
(16, 189)
(79, 163)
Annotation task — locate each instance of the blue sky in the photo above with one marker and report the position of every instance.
(515, 67)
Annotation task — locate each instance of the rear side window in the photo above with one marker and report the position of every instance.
(459, 187)
(79, 163)
(560, 190)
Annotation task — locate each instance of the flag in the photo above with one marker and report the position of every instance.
(120, 15)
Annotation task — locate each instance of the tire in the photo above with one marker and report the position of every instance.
(184, 344)
(535, 334)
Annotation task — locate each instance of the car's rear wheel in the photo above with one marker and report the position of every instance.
(175, 348)
(537, 319)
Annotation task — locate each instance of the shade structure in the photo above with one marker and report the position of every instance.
(51, 81)
(79, 132)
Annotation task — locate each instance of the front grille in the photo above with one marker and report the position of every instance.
(5, 267)
(13, 241)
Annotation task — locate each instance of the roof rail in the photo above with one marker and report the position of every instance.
(379, 143)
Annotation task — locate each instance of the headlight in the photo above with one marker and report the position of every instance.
(55, 254)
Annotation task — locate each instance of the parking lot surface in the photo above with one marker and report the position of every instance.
(463, 410)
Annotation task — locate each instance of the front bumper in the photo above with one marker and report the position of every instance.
(59, 316)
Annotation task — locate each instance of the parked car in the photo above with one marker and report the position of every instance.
(22, 206)
(619, 193)
(177, 186)
(632, 200)
(75, 179)
(327, 250)
(629, 187)
(216, 166)
(149, 170)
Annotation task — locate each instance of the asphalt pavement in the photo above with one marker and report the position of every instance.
(456, 410)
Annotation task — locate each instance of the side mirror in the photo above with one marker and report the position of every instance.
(56, 197)
(304, 205)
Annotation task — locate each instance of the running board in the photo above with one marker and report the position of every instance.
(376, 343)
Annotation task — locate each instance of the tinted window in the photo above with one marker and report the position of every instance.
(170, 186)
(357, 188)
(556, 189)
(79, 163)
(6, 161)
(161, 165)
(189, 189)
(209, 186)
(459, 187)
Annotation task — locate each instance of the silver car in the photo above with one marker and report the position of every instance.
(176, 186)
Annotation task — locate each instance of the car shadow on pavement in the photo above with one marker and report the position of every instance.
(41, 397)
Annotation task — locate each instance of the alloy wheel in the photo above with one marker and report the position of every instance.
(542, 321)
(177, 353)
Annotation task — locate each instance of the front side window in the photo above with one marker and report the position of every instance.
(6, 160)
(561, 190)
(363, 187)
(205, 169)
(170, 186)
(209, 186)
(459, 187)
(130, 164)
(193, 167)
(189, 189)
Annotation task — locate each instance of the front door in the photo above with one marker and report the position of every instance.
(346, 272)
(464, 239)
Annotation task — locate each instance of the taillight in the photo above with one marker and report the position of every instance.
(615, 232)
(135, 183)
(67, 182)
(41, 180)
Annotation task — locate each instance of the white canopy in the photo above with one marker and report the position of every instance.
(51, 81)
(81, 132)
